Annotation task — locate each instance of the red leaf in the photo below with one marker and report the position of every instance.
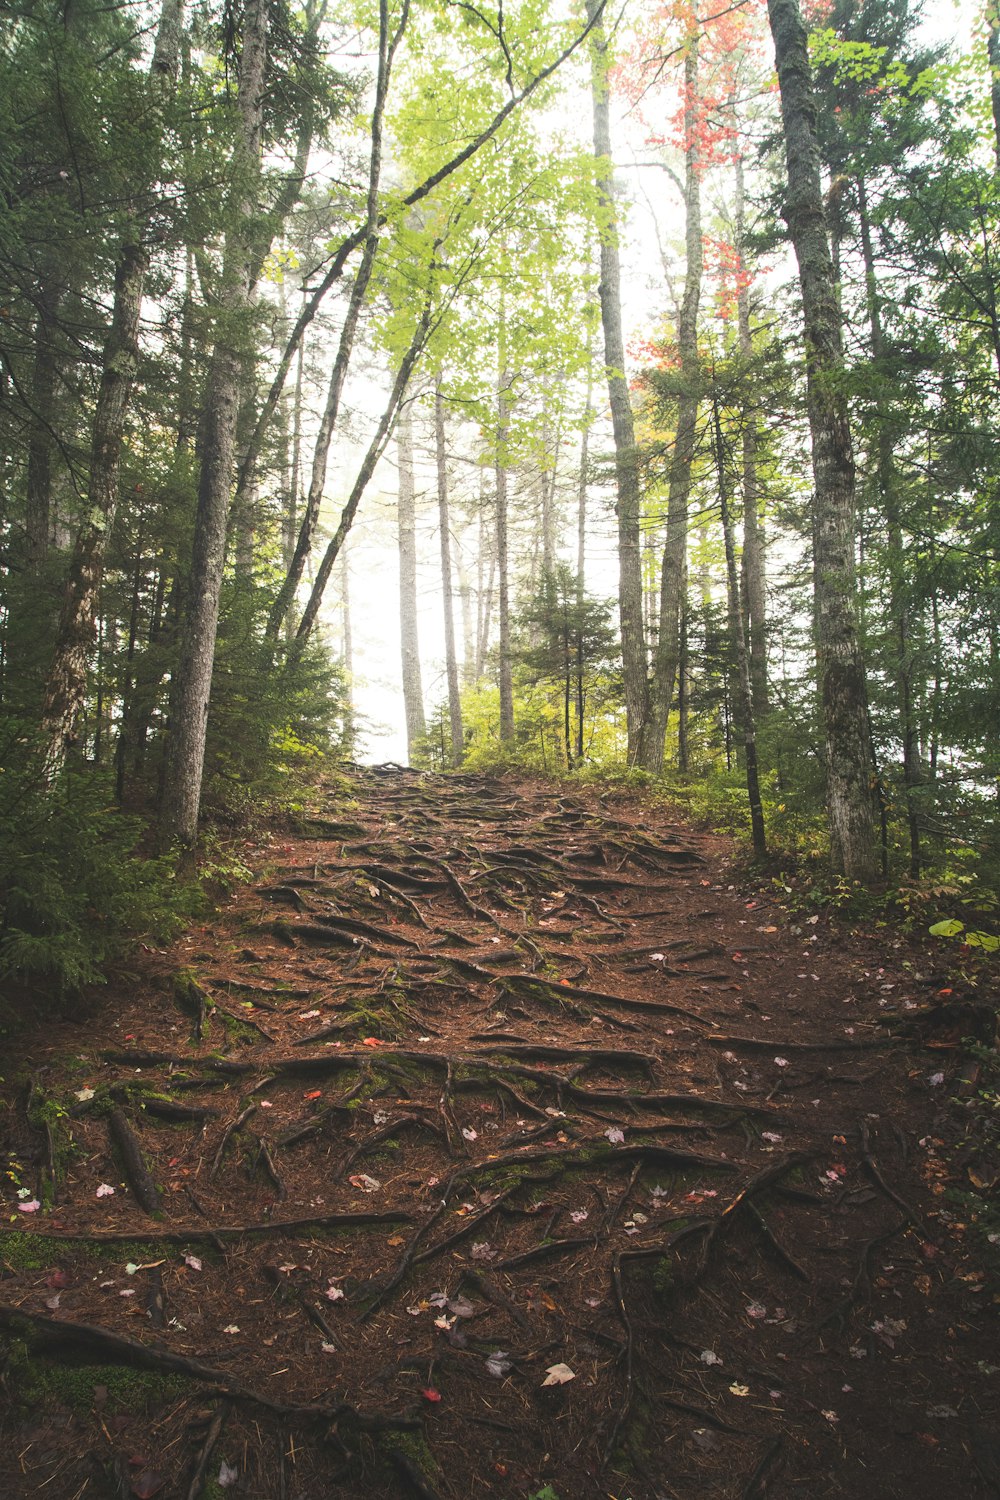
(430, 1394)
(313, 1094)
(148, 1483)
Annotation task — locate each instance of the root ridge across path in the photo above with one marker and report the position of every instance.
(496, 1139)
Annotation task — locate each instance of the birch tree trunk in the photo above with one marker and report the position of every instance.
(447, 585)
(189, 709)
(753, 562)
(503, 560)
(843, 690)
(672, 577)
(345, 346)
(629, 502)
(413, 697)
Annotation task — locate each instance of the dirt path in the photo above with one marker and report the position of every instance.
(493, 1144)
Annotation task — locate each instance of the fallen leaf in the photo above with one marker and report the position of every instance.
(313, 1094)
(31, 1206)
(498, 1363)
(84, 1094)
(193, 1261)
(334, 1293)
(739, 1390)
(430, 1394)
(558, 1375)
(365, 1183)
(709, 1357)
(615, 1136)
(227, 1476)
(148, 1483)
(371, 1041)
(231, 1328)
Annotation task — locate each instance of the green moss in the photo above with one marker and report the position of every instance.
(36, 1381)
(23, 1251)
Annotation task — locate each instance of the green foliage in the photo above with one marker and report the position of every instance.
(75, 887)
(276, 717)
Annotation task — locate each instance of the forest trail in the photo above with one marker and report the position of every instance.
(481, 1087)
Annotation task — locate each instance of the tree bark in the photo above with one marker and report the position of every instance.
(66, 685)
(754, 560)
(843, 690)
(189, 714)
(503, 563)
(413, 697)
(629, 504)
(673, 573)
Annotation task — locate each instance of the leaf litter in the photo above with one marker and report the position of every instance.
(548, 1174)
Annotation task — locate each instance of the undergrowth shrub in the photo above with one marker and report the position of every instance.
(75, 885)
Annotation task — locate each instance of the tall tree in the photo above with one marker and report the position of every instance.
(413, 696)
(840, 667)
(627, 477)
(447, 587)
(189, 707)
(65, 688)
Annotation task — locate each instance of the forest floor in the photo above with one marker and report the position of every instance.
(501, 1140)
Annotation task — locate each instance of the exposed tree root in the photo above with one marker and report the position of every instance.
(137, 1174)
(218, 1232)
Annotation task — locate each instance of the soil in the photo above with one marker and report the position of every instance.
(500, 1140)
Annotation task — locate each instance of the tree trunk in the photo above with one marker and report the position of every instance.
(66, 684)
(681, 464)
(744, 694)
(345, 346)
(629, 506)
(503, 564)
(753, 563)
(840, 667)
(38, 501)
(899, 604)
(444, 529)
(376, 448)
(581, 493)
(413, 697)
(189, 715)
